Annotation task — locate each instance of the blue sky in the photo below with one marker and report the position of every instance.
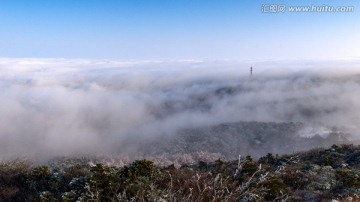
(175, 29)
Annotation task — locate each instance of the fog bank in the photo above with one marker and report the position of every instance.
(54, 107)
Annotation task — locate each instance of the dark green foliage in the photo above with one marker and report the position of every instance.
(268, 159)
(249, 168)
(333, 156)
(76, 171)
(47, 184)
(136, 179)
(353, 158)
(202, 166)
(276, 189)
(104, 183)
(348, 178)
(296, 177)
(12, 180)
(318, 174)
(77, 187)
(139, 169)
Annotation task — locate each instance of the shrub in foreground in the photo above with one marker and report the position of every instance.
(320, 174)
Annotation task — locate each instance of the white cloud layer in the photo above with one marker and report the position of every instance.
(52, 107)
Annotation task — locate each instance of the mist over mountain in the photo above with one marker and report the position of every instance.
(228, 140)
(54, 107)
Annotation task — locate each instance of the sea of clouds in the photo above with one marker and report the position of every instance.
(55, 107)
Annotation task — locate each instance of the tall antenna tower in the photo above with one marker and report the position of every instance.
(251, 71)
